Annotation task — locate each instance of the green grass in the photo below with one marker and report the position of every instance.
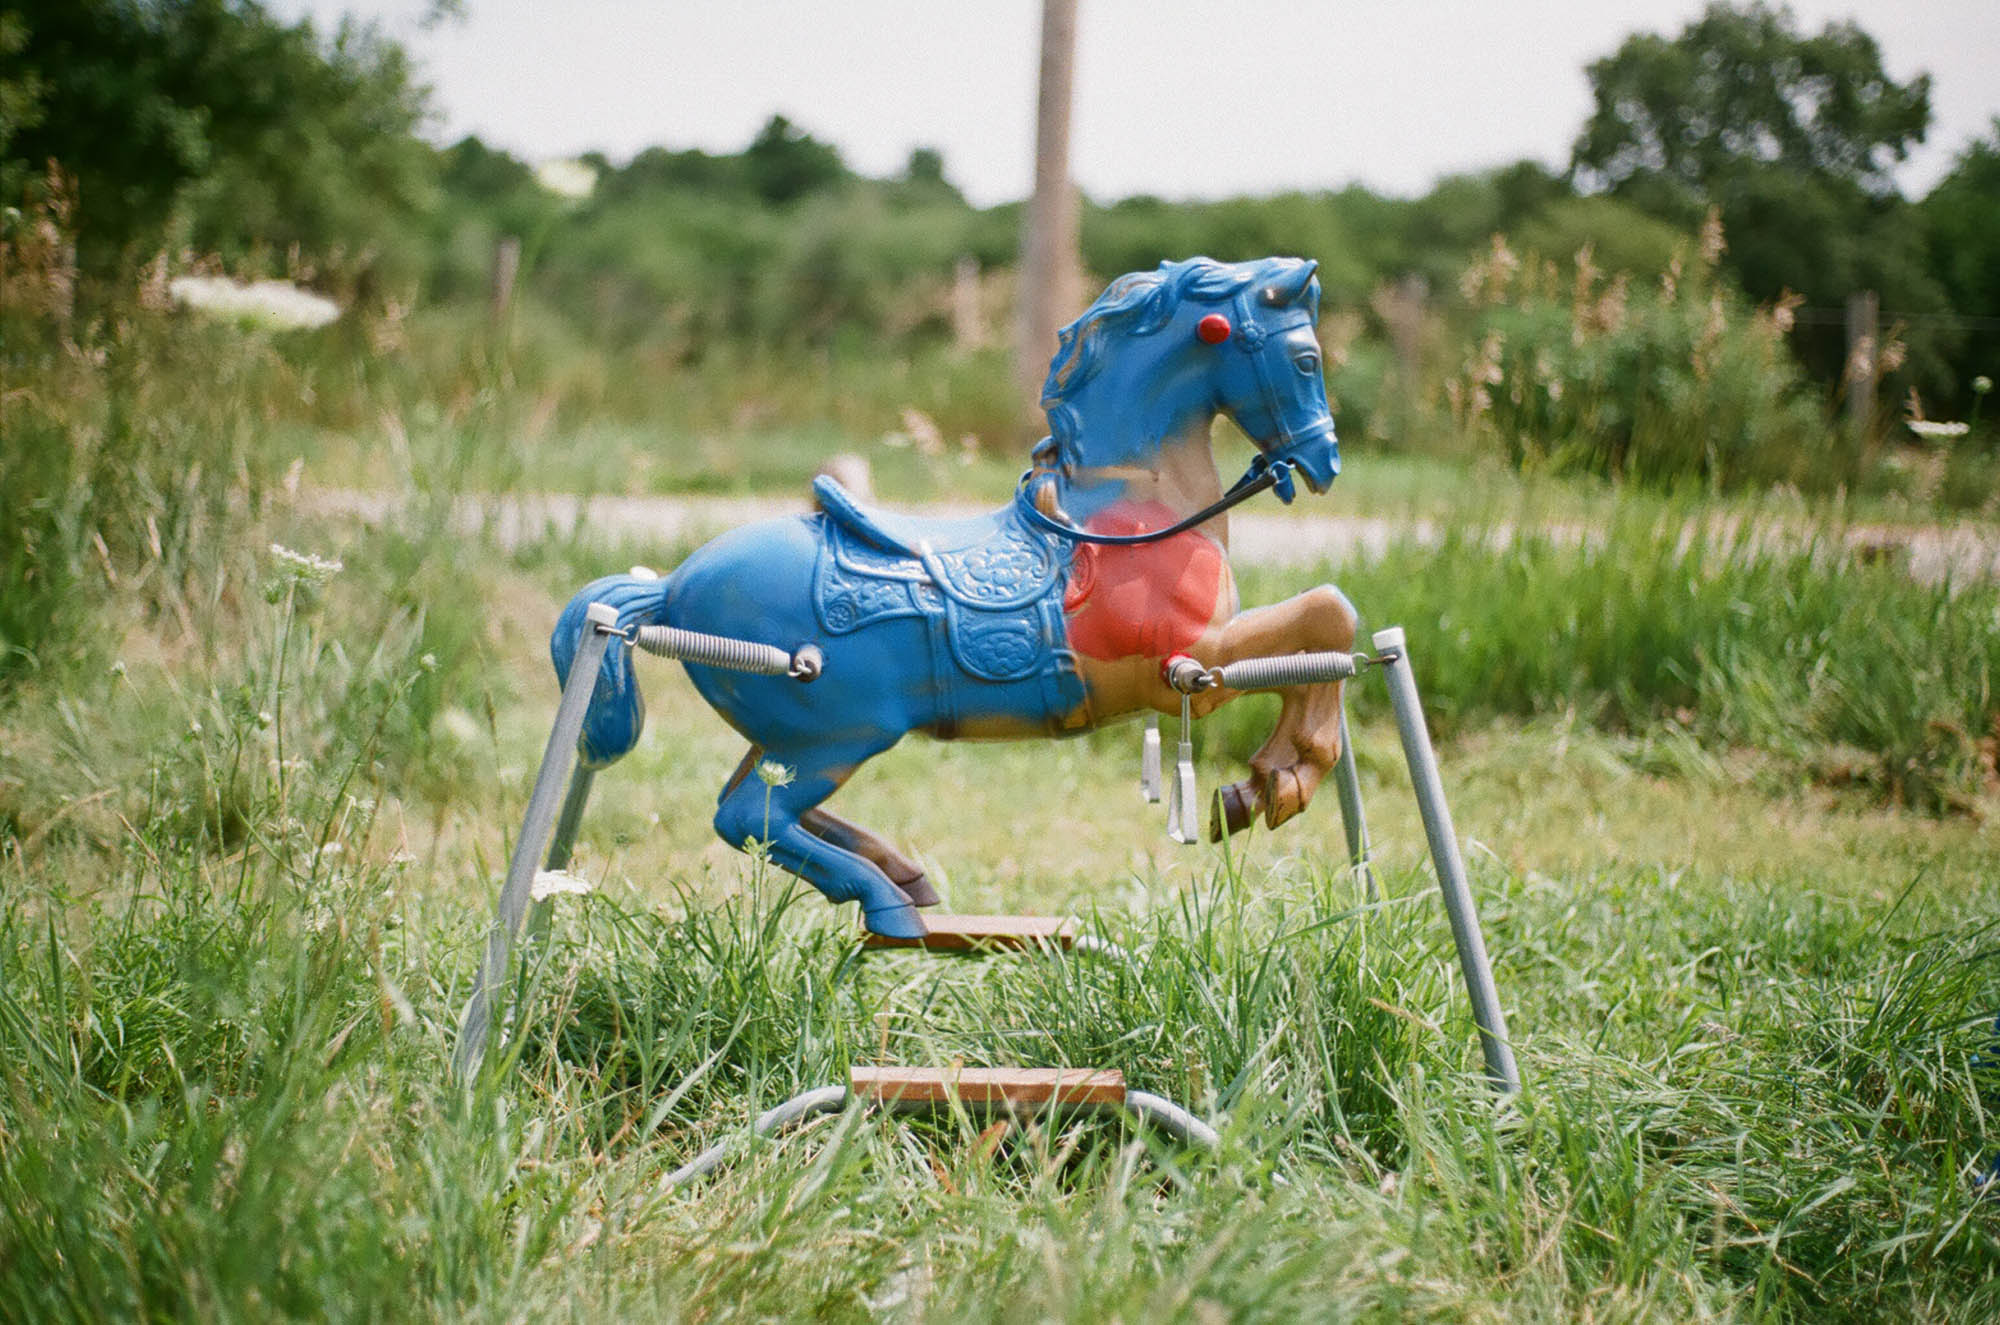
(1750, 1007)
(1699, 631)
(252, 819)
(225, 1095)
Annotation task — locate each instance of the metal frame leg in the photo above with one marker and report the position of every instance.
(535, 830)
(1347, 781)
(1458, 903)
(561, 843)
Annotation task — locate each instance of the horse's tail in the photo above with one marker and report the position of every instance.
(617, 710)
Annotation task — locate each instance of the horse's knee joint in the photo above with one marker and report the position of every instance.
(1339, 614)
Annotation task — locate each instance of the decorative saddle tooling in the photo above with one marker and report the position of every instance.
(991, 586)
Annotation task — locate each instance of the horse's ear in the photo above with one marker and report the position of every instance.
(1213, 329)
(1292, 286)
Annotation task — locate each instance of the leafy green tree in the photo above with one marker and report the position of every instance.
(1743, 86)
(1965, 254)
(1793, 136)
(210, 123)
(785, 163)
(923, 180)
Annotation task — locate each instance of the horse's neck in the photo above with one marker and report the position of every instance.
(1176, 471)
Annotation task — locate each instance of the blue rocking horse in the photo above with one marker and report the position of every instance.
(1054, 614)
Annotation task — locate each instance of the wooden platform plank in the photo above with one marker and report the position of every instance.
(928, 1087)
(986, 933)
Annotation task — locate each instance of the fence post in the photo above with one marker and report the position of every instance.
(968, 329)
(1864, 360)
(506, 265)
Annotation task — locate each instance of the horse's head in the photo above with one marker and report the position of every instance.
(1234, 338)
(1267, 369)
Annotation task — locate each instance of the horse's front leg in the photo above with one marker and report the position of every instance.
(1306, 741)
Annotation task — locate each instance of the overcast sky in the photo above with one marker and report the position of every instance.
(1173, 97)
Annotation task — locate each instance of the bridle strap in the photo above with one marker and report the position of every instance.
(1263, 473)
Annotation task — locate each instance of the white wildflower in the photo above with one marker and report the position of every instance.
(1931, 430)
(549, 883)
(774, 774)
(279, 305)
(307, 565)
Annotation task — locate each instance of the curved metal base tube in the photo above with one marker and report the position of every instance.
(1169, 1117)
(1149, 1109)
(825, 1099)
(1089, 945)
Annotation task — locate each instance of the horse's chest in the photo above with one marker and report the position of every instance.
(1145, 601)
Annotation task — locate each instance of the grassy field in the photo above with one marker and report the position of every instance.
(1731, 854)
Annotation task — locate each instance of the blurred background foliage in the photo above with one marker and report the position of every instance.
(775, 287)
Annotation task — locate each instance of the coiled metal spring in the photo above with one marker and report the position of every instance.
(1293, 669)
(734, 654)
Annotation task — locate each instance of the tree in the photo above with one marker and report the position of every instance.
(1744, 87)
(785, 163)
(1793, 137)
(208, 122)
(1965, 254)
(923, 179)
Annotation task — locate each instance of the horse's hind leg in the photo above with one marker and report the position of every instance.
(751, 810)
(905, 873)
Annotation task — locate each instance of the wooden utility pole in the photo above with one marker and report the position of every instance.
(1051, 271)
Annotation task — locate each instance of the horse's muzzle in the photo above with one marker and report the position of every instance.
(1314, 454)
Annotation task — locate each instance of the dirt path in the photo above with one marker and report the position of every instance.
(1931, 552)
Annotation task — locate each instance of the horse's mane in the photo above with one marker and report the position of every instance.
(1140, 304)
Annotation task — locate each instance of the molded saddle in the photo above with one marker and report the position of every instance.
(995, 582)
(892, 531)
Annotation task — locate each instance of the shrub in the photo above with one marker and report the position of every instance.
(1669, 383)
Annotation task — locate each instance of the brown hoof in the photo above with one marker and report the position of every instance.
(1285, 797)
(919, 891)
(1233, 810)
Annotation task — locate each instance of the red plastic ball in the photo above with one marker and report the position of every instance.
(1213, 329)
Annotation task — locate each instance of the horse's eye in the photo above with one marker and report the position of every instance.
(1308, 363)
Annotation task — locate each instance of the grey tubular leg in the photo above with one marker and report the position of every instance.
(1450, 865)
(1171, 1118)
(1347, 781)
(562, 842)
(827, 1099)
(564, 838)
(535, 826)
